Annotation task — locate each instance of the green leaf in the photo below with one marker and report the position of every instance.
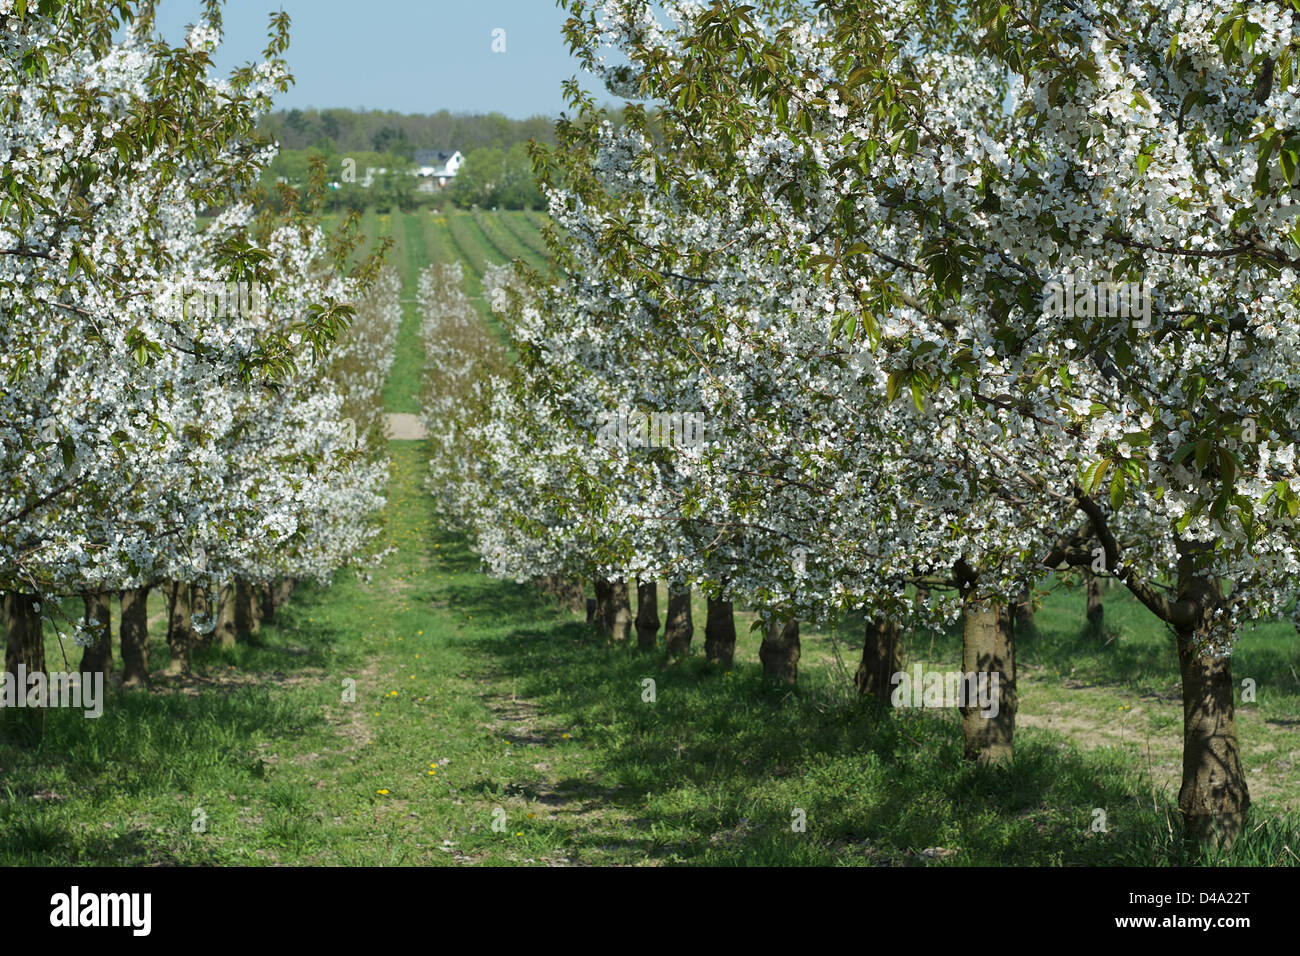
(1117, 490)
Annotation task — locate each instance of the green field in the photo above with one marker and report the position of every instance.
(476, 701)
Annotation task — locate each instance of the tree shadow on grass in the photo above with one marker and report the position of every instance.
(63, 773)
(714, 750)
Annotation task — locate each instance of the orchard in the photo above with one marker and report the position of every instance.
(909, 322)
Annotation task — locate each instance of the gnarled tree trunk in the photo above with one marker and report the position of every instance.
(1096, 610)
(98, 656)
(720, 633)
(779, 651)
(647, 615)
(246, 620)
(201, 608)
(1024, 612)
(603, 615)
(881, 659)
(225, 634)
(134, 635)
(180, 628)
(284, 589)
(1214, 796)
(679, 628)
(988, 647)
(620, 605)
(24, 636)
(266, 597)
(564, 590)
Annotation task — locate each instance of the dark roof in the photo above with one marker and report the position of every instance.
(433, 157)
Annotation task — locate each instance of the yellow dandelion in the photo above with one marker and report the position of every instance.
(564, 736)
(382, 792)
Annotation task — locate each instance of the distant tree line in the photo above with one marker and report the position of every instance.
(347, 131)
(497, 171)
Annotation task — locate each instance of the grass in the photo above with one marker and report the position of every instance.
(517, 706)
(477, 702)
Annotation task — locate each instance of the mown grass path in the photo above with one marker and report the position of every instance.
(432, 716)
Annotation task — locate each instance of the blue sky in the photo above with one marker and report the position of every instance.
(413, 56)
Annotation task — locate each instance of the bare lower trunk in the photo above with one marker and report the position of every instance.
(881, 660)
(180, 629)
(720, 633)
(1214, 796)
(225, 633)
(24, 636)
(134, 635)
(98, 656)
(564, 590)
(1024, 611)
(679, 628)
(647, 615)
(266, 597)
(201, 608)
(283, 591)
(988, 648)
(603, 614)
(621, 611)
(1096, 610)
(779, 651)
(246, 620)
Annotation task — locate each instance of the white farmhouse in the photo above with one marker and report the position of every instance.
(436, 166)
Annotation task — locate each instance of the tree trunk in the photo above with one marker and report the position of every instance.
(1096, 610)
(679, 628)
(720, 633)
(1214, 795)
(988, 647)
(564, 590)
(881, 660)
(647, 615)
(180, 629)
(24, 636)
(201, 607)
(266, 598)
(621, 612)
(134, 635)
(98, 657)
(224, 635)
(779, 651)
(1024, 611)
(246, 622)
(603, 617)
(283, 591)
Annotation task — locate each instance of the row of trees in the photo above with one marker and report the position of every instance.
(349, 131)
(839, 235)
(185, 408)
